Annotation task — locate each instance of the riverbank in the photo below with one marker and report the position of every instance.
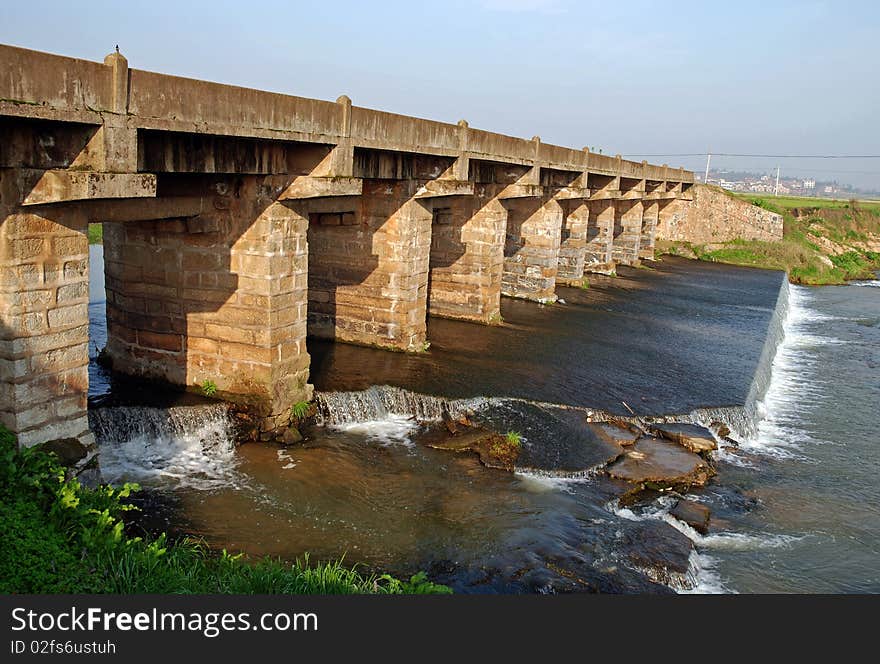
(824, 242)
(62, 537)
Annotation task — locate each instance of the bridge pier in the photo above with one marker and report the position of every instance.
(467, 256)
(573, 242)
(531, 249)
(650, 214)
(44, 322)
(217, 297)
(368, 278)
(600, 237)
(627, 231)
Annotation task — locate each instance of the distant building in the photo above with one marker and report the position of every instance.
(809, 184)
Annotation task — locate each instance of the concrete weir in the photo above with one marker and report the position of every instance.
(237, 222)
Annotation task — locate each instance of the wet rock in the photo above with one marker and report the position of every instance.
(659, 551)
(69, 451)
(694, 514)
(569, 444)
(655, 463)
(494, 450)
(291, 436)
(615, 434)
(721, 429)
(692, 436)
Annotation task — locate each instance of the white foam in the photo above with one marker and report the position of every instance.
(540, 482)
(390, 430)
(794, 387)
(705, 577)
(202, 457)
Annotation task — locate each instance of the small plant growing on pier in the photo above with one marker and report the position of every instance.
(209, 387)
(513, 438)
(585, 284)
(299, 411)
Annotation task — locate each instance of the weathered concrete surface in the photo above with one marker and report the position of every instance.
(237, 221)
(715, 216)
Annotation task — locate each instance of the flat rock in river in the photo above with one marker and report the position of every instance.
(494, 450)
(615, 434)
(569, 443)
(659, 462)
(692, 436)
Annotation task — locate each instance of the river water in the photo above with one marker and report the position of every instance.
(795, 508)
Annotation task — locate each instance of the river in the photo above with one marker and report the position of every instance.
(795, 507)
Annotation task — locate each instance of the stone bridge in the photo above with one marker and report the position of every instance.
(237, 222)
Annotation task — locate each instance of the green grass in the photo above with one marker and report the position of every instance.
(96, 234)
(59, 537)
(300, 410)
(808, 223)
(209, 387)
(513, 438)
(806, 202)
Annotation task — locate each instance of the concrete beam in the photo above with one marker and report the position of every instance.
(440, 187)
(631, 195)
(151, 209)
(604, 194)
(306, 186)
(59, 186)
(521, 191)
(570, 193)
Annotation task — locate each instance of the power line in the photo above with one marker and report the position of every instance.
(764, 156)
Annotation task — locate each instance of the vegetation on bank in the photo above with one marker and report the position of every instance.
(60, 537)
(824, 241)
(96, 233)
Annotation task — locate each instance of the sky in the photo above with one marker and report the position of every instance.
(635, 78)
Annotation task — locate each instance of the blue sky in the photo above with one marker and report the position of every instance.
(630, 77)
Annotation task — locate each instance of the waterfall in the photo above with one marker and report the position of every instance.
(744, 420)
(381, 402)
(182, 446)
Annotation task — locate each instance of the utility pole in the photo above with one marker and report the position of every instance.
(708, 160)
(776, 192)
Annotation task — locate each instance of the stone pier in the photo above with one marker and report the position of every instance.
(531, 248)
(650, 216)
(368, 276)
(219, 297)
(627, 231)
(467, 256)
(574, 243)
(600, 237)
(44, 320)
(239, 222)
